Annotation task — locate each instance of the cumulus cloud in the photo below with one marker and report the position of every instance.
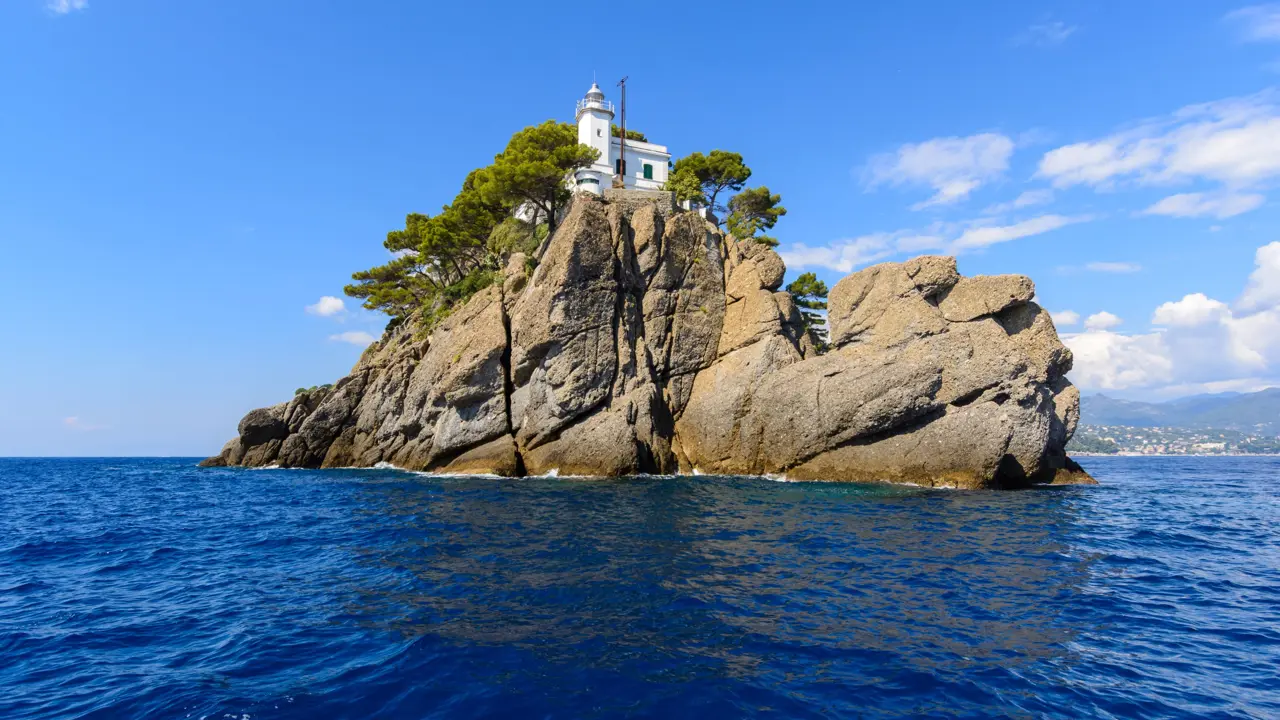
(1113, 267)
(1105, 360)
(327, 306)
(354, 337)
(1220, 205)
(1263, 288)
(1065, 318)
(62, 7)
(1198, 342)
(1257, 23)
(1101, 321)
(952, 166)
(1234, 143)
(1045, 34)
(1192, 310)
(951, 238)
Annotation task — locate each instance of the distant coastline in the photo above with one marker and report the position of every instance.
(1077, 453)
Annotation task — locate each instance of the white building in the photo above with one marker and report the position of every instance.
(647, 163)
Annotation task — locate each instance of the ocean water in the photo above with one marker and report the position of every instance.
(151, 588)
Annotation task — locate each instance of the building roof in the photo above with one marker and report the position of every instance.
(595, 93)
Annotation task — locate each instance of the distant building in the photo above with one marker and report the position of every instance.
(646, 163)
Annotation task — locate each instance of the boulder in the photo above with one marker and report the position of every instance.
(974, 297)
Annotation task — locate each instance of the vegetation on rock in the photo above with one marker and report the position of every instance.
(444, 259)
(810, 295)
(700, 179)
(753, 211)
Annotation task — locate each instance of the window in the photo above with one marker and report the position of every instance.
(599, 133)
(588, 181)
(648, 171)
(619, 168)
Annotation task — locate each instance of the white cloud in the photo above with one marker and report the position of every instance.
(1200, 342)
(1026, 199)
(979, 237)
(1113, 267)
(1101, 321)
(1221, 206)
(1065, 318)
(842, 255)
(1234, 143)
(1257, 23)
(1263, 289)
(952, 166)
(353, 337)
(1096, 163)
(62, 7)
(327, 306)
(1111, 361)
(1191, 310)
(845, 255)
(1045, 34)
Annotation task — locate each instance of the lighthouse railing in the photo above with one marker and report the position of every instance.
(595, 105)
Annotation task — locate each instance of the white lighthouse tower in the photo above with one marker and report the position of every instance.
(646, 162)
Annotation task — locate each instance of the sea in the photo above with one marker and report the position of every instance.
(150, 588)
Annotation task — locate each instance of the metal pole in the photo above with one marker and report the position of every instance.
(622, 139)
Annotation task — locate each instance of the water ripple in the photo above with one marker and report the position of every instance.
(150, 588)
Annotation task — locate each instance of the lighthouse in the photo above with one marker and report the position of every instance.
(646, 163)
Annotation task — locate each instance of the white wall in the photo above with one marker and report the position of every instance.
(593, 130)
(638, 154)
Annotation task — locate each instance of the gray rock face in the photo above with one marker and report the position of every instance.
(645, 341)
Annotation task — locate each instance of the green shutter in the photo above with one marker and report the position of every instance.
(648, 171)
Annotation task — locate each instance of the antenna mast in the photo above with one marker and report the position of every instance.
(621, 178)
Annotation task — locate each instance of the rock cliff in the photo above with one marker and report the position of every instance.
(644, 341)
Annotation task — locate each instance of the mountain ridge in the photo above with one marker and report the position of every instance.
(1258, 410)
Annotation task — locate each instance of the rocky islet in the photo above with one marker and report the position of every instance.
(644, 340)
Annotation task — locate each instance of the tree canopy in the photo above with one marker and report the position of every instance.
(701, 178)
(753, 211)
(810, 295)
(441, 260)
(533, 167)
(631, 134)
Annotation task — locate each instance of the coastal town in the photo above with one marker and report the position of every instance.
(1129, 440)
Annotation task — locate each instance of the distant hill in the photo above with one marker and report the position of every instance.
(1235, 411)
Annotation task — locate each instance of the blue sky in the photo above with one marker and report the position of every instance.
(180, 182)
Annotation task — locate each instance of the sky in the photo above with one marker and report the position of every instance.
(185, 187)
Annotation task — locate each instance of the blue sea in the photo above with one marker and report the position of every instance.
(149, 588)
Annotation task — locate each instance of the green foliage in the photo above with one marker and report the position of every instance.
(810, 295)
(533, 168)
(701, 178)
(686, 186)
(631, 134)
(753, 211)
(442, 260)
(514, 235)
